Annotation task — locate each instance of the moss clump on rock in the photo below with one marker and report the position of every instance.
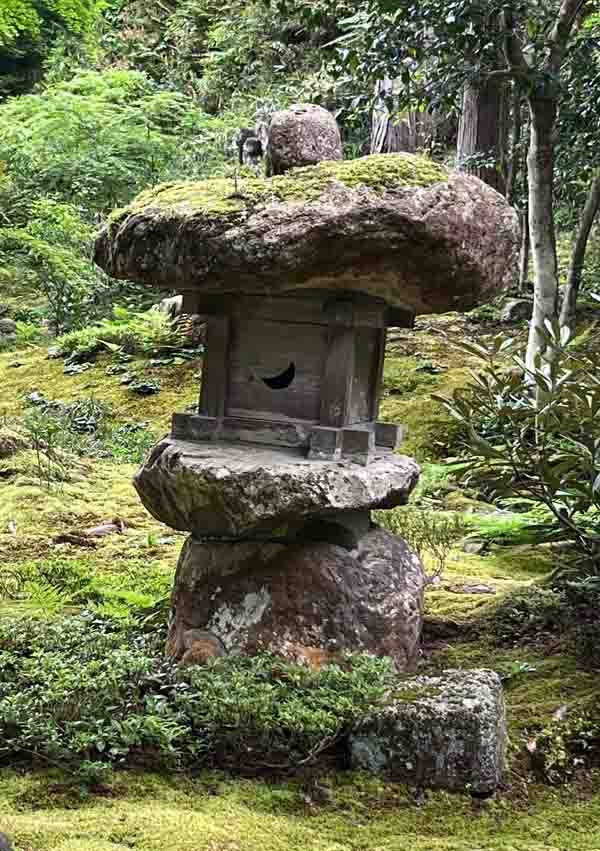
(226, 195)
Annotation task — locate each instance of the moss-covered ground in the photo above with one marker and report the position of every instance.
(213, 812)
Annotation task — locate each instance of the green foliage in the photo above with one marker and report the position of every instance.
(29, 29)
(46, 437)
(129, 443)
(568, 743)
(250, 710)
(98, 139)
(52, 251)
(220, 54)
(78, 690)
(532, 434)
(58, 433)
(28, 333)
(428, 532)
(149, 333)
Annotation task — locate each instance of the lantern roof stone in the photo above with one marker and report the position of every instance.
(398, 227)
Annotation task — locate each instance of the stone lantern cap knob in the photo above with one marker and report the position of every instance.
(304, 134)
(396, 227)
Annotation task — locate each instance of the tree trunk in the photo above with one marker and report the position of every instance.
(540, 178)
(514, 159)
(481, 147)
(592, 205)
(390, 133)
(524, 252)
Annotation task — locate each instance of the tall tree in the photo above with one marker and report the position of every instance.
(590, 211)
(440, 45)
(481, 146)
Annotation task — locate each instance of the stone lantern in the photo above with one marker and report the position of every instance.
(275, 475)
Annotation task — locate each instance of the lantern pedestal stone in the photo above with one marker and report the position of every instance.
(283, 554)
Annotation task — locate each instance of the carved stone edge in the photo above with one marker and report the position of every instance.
(325, 443)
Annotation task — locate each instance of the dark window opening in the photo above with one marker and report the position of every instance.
(283, 380)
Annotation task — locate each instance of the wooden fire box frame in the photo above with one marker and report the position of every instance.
(301, 370)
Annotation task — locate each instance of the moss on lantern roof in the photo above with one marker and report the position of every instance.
(227, 195)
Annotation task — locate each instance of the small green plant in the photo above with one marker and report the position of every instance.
(83, 690)
(28, 334)
(149, 333)
(45, 433)
(516, 671)
(60, 431)
(129, 443)
(426, 532)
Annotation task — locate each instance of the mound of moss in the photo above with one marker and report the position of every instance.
(221, 195)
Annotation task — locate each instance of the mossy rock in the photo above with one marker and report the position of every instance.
(11, 442)
(404, 229)
(220, 195)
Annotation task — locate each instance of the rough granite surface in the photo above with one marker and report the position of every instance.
(404, 230)
(447, 731)
(232, 490)
(308, 601)
(304, 134)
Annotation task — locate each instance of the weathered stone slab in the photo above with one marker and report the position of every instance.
(405, 230)
(308, 602)
(447, 731)
(228, 490)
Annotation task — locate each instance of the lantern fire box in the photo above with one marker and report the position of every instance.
(300, 370)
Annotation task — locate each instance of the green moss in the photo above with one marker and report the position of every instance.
(411, 695)
(228, 196)
(216, 813)
(179, 386)
(404, 377)
(431, 432)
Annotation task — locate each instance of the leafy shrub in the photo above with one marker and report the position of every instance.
(53, 251)
(425, 531)
(151, 332)
(28, 30)
(98, 139)
(219, 53)
(533, 434)
(79, 690)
